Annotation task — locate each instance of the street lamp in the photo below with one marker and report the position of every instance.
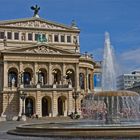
(75, 95)
(23, 96)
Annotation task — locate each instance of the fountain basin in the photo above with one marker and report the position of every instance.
(116, 93)
(77, 129)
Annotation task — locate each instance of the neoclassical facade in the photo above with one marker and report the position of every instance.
(42, 59)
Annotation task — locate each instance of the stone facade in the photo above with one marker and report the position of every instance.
(47, 73)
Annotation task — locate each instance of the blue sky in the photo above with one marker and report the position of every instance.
(121, 18)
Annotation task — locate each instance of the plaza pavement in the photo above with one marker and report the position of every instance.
(9, 125)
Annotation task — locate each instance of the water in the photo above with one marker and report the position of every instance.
(112, 109)
(108, 66)
(114, 106)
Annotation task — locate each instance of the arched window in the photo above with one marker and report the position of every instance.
(89, 84)
(57, 75)
(81, 81)
(42, 76)
(97, 80)
(70, 77)
(27, 78)
(12, 77)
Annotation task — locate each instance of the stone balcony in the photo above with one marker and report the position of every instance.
(40, 87)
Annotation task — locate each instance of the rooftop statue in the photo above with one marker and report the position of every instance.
(36, 10)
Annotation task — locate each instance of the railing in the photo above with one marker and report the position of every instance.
(87, 55)
(62, 86)
(46, 86)
(29, 86)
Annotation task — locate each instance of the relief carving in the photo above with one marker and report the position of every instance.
(43, 50)
(38, 24)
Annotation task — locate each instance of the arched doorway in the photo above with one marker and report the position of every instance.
(61, 105)
(46, 106)
(29, 106)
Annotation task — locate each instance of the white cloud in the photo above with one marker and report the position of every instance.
(130, 60)
(132, 55)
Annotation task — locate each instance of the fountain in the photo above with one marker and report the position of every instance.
(105, 114)
(110, 105)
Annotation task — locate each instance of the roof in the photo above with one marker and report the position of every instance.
(34, 19)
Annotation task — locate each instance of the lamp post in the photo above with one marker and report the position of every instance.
(23, 96)
(75, 95)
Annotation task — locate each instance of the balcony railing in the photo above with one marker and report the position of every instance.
(46, 86)
(29, 86)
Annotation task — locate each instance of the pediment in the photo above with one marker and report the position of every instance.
(35, 23)
(39, 49)
(42, 49)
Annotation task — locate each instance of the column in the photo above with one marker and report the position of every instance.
(13, 34)
(21, 74)
(86, 77)
(50, 74)
(64, 74)
(26, 36)
(91, 81)
(20, 106)
(65, 36)
(20, 35)
(54, 104)
(78, 41)
(77, 77)
(70, 103)
(52, 38)
(65, 108)
(38, 104)
(59, 39)
(72, 39)
(36, 73)
(33, 35)
(5, 74)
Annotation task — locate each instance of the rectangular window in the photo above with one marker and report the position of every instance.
(1, 35)
(62, 38)
(56, 38)
(30, 36)
(16, 36)
(69, 39)
(9, 35)
(36, 37)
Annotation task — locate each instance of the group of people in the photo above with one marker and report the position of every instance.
(95, 111)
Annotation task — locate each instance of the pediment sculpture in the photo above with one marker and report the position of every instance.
(35, 24)
(43, 50)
